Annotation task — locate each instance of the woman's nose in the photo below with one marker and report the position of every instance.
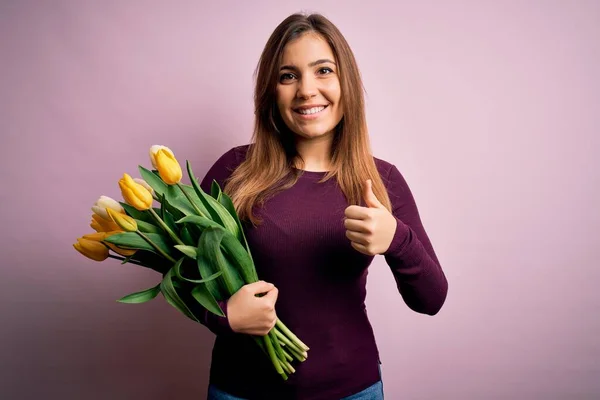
(307, 88)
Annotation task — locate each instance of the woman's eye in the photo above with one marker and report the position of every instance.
(286, 77)
(325, 71)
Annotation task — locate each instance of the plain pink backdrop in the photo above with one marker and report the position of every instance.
(490, 109)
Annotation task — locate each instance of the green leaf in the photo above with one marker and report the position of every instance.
(142, 296)
(142, 218)
(189, 251)
(202, 222)
(178, 274)
(239, 255)
(146, 227)
(167, 207)
(168, 218)
(207, 269)
(226, 201)
(126, 259)
(206, 299)
(187, 237)
(191, 193)
(209, 246)
(131, 240)
(217, 212)
(176, 198)
(153, 180)
(171, 192)
(135, 213)
(162, 199)
(171, 296)
(215, 190)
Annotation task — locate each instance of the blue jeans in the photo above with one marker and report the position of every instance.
(373, 392)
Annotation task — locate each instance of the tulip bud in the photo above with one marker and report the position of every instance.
(92, 249)
(135, 194)
(164, 161)
(119, 250)
(154, 149)
(98, 236)
(144, 184)
(105, 202)
(124, 221)
(100, 224)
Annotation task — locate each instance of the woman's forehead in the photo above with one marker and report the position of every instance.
(307, 49)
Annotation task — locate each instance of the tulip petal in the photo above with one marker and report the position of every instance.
(108, 202)
(142, 182)
(168, 167)
(123, 252)
(91, 249)
(124, 222)
(98, 236)
(154, 149)
(106, 225)
(135, 194)
(101, 211)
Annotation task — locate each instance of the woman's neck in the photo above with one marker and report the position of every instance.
(316, 153)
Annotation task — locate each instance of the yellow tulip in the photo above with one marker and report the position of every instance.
(154, 149)
(100, 224)
(164, 161)
(100, 236)
(92, 249)
(119, 250)
(144, 184)
(124, 222)
(105, 202)
(97, 237)
(135, 194)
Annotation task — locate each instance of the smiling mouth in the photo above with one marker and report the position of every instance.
(310, 111)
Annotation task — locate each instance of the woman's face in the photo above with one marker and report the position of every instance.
(308, 90)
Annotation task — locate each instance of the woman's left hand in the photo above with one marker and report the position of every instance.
(371, 228)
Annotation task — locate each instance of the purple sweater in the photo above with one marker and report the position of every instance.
(302, 249)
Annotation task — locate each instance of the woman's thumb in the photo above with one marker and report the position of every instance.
(260, 287)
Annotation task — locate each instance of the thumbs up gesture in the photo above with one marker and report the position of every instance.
(371, 228)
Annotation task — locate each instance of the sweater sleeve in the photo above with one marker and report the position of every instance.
(219, 171)
(411, 256)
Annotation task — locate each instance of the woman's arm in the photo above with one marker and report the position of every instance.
(411, 256)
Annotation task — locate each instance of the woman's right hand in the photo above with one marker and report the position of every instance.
(250, 314)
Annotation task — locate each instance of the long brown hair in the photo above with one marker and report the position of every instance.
(268, 167)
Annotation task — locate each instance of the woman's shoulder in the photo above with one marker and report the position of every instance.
(386, 168)
(392, 178)
(224, 166)
(234, 156)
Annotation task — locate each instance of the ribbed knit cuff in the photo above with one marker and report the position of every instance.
(400, 240)
(218, 325)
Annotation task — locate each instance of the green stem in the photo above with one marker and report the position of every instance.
(129, 261)
(288, 342)
(285, 330)
(158, 249)
(165, 227)
(272, 355)
(296, 354)
(187, 196)
(276, 345)
(290, 367)
(286, 368)
(287, 355)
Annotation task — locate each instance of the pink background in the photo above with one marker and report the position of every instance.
(490, 109)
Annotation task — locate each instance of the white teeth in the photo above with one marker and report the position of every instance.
(313, 110)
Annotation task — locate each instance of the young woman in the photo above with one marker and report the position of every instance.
(317, 207)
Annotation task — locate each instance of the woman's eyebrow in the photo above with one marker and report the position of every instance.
(312, 64)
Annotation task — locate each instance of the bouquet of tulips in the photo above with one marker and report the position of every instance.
(194, 239)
